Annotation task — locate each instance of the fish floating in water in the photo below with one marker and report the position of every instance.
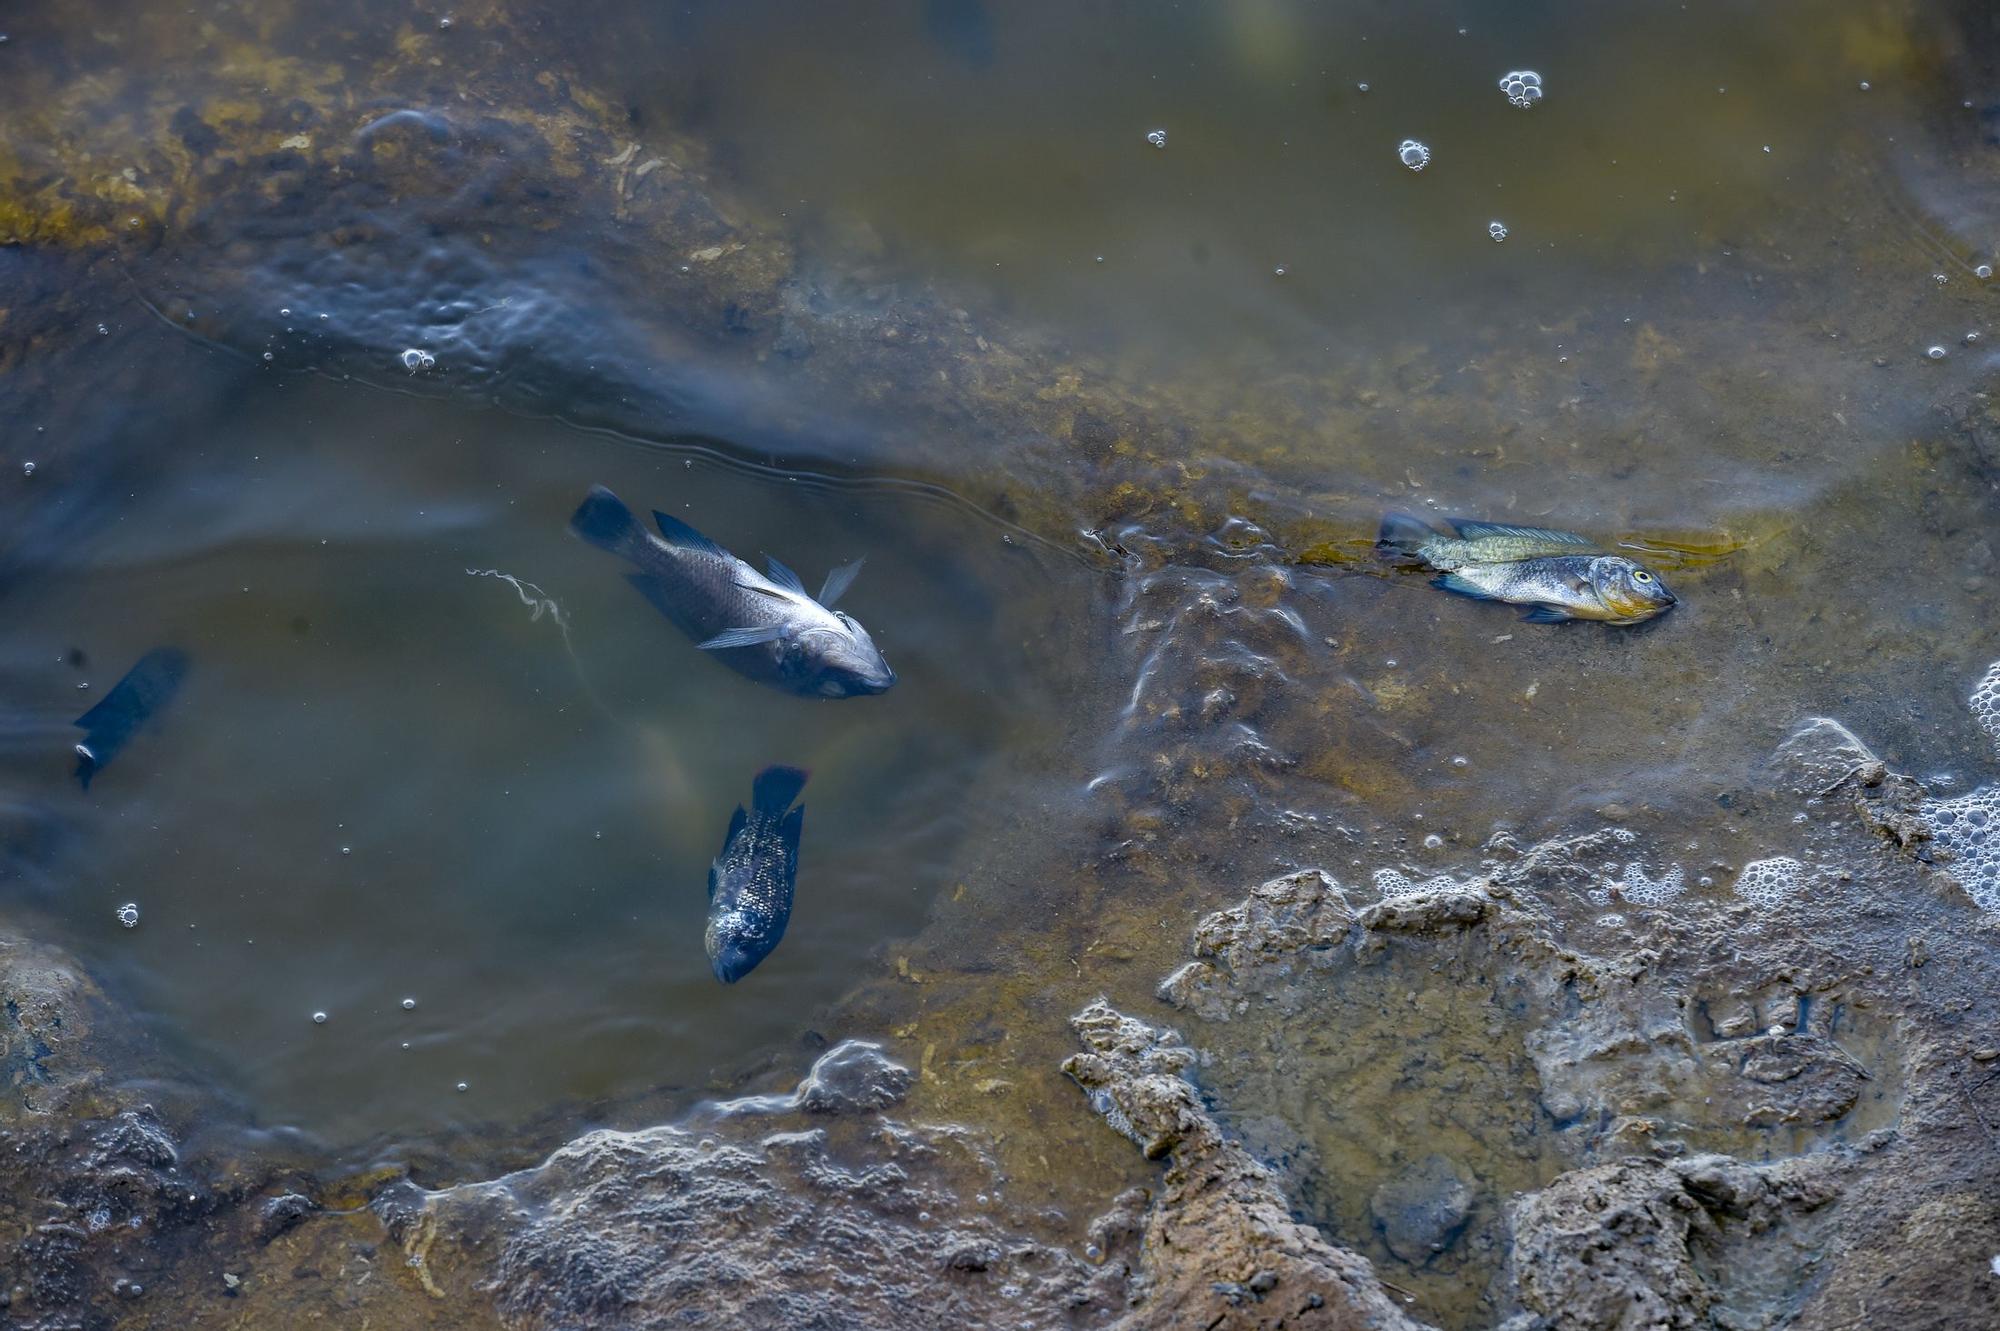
(1558, 575)
(750, 884)
(133, 700)
(767, 628)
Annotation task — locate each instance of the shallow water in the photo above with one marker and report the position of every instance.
(1168, 671)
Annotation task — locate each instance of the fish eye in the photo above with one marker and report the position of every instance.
(1640, 575)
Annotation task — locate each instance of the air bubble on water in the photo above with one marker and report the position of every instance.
(284, 311)
(319, 1018)
(1864, 85)
(128, 915)
(27, 469)
(409, 1004)
(1936, 353)
(1983, 271)
(1362, 87)
(1497, 229)
(1278, 271)
(1433, 842)
(347, 850)
(1971, 339)
(1522, 86)
(1939, 278)
(268, 356)
(1413, 154)
(1093, 1254)
(444, 25)
(1460, 760)
(416, 359)
(463, 1087)
(102, 331)
(1770, 882)
(1157, 137)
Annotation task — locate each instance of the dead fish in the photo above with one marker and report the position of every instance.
(1558, 575)
(767, 628)
(750, 885)
(146, 688)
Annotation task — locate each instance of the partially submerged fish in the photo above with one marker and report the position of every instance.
(768, 628)
(1558, 575)
(750, 884)
(133, 700)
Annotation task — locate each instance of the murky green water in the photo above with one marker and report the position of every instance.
(1733, 236)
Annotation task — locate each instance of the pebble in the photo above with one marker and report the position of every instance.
(1986, 1055)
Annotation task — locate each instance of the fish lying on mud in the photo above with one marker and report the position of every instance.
(1558, 575)
(750, 884)
(108, 727)
(767, 628)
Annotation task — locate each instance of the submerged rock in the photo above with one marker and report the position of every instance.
(1423, 1209)
(1221, 1245)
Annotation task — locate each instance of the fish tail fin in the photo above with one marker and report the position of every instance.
(1403, 536)
(775, 788)
(604, 521)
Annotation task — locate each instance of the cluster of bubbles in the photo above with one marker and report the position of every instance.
(1968, 827)
(1636, 885)
(1497, 229)
(1522, 86)
(1770, 882)
(1157, 137)
(27, 469)
(128, 915)
(1985, 703)
(1413, 154)
(416, 359)
(1394, 883)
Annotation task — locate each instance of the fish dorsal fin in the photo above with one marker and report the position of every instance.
(837, 583)
(679, 533)
(1543, 539)
(783, 576)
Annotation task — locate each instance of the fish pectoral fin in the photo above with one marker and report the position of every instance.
(838, 581)
(1545, 613)
(742, 637)
(783, 576)
(1452, 582)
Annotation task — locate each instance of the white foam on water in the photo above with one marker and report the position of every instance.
(1393, 883)
(1985, 703)
(1968, 828)
(1636, 885)
(1770, 882)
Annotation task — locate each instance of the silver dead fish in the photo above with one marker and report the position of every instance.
(768, 628)
(1558, 575)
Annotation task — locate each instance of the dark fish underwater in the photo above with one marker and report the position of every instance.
(133, 701)
(750, 885)
(768, 628)
(1558, 575)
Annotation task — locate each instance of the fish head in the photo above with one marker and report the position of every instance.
(1629, 590)
(734, 951)
(844, 662)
